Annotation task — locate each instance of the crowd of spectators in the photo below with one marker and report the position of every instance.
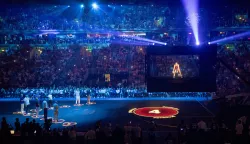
(33, 128)
(113, 17)
(51, 59)
(79, 66)
(60, 18)
(237, 57)
(196, 131)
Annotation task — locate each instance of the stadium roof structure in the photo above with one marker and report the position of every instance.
(202, 3)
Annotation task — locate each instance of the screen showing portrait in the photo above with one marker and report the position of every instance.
(174, 66)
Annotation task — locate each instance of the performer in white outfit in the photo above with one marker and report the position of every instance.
(22, 103)
(56, 111)
(77, 94)
(26, 103)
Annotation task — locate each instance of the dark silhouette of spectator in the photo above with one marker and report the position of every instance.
(90, 136)
(118, 135)
(26, 127)
(38, 129)
(65, 132)
(239, 132)
(17, 125)
(108, 133)
(5, 131)
(137, 134)
(72, 135)
(170, 139)
(152, 136)
(182, 132)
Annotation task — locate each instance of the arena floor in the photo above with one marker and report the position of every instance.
(116, 111)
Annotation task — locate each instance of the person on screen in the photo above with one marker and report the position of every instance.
(176, 71)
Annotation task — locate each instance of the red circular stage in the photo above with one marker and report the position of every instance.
(155, 112)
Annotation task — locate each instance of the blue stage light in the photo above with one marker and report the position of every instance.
(82, 6)
(95, 6)
(197, 43)
(209, 43)
(68, 6)
(191, 8)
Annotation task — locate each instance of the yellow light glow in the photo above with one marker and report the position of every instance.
(19, 112)
(132, 110)
(12, 132)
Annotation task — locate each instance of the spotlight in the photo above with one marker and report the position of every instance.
(209, 43)
(82, 6)
(95, 6)
(197, 43)
(191, 8)
(165, 43)
(68, 6)
(153, 43)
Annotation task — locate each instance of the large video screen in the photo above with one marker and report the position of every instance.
(175, 66)
(181, 68)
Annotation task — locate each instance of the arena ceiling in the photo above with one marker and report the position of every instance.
(203, 3)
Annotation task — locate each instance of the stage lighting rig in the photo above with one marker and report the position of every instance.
(95, 6)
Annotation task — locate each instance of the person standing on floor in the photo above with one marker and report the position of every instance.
(22, 103)
(37, 109)
(56, 111)
(26, 103)
(50, 98)
(77, 95)
(45, 109)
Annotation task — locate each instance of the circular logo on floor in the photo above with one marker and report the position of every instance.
(34, 116)
(78, 105)
(42, 119)
(34, 110)
(58, 121)
(65, 106)
(90, 103)
(155, 112)
(66, 124)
